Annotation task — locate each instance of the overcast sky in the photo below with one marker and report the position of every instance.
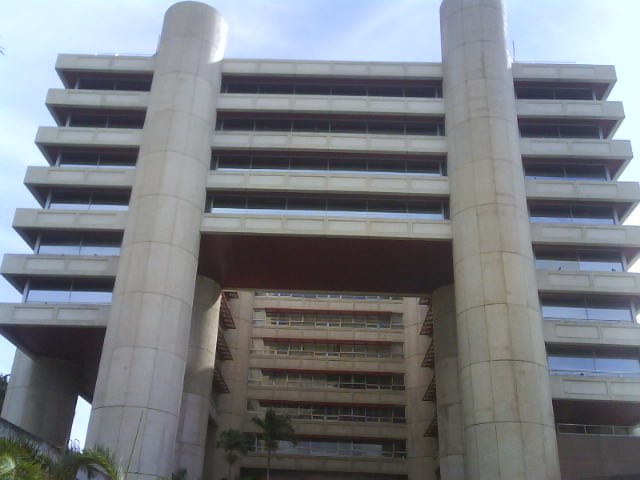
(33, 32)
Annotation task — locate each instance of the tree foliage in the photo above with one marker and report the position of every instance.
(275, 427)
(234, 443)
(22, 459)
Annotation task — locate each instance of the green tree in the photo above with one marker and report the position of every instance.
(234, 443)
(275, 427)
(19, 460)
(22, 459)
(91, 461)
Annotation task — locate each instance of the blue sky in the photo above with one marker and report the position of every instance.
(33, 32)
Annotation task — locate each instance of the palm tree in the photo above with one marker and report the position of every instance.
(274, 428)
(232, 441)
(18, 460)
(91, 461)
(23, 459)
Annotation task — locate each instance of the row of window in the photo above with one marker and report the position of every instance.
(71, 243)
(576, 308)
(342, 413)
(581, 308)
(99, 159)
(347, 381)
(141, 83)
(579, 260)
(340, 448)
(326, 295)
(577, 214)
(87, 200)
(593, 362)
(319, 319)
(105, 120)
(554, 92)
(581, 429)
(420, 166)
(291, 162)
(68, 291)
(424, 126)
(278, 205)
(549, 130)
(327, 350)
(331, 86)
(276, 123)
(315, 206)
(328, 86)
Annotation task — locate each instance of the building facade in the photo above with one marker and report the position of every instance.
(462, 221)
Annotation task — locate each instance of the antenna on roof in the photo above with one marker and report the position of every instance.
(513, 45)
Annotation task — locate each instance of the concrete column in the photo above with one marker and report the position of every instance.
(41, 397)
(198, 378)
(139, 388)
(450, 435)
(507, 411)
(232, 406)
(421, 450)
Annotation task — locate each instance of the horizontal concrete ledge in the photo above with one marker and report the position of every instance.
(564, 72)
(54, 315)
(321, 394)
(329, 428)
(328, 68)
(341, 142)
(591, 333)
(88, 137)
(327, 364)
(611, 192)
(614, 283)
(384, 305)
(60, 266)
(579, 148)
(322, 182)
(329, 333)
(327, 464)
(96, 99)
(80, 176)
(106, 63)
(29, 221)
(326, 226)
(588, 235)
(595, 388)
(565, 109)
(331, 104)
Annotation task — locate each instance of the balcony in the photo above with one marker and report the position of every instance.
(51, 139)
(326, 68)
(334, 182)
(591, 333)
(324, 104)
(68, 65)
(41, 179)
(29, 221)
(310, 141)
(17, 269)
(327, 226)
(588, 282)
(60, 101)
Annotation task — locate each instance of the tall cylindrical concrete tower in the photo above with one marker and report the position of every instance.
(507, 413)
(138, 392)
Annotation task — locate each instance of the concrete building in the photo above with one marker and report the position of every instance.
(476, 319)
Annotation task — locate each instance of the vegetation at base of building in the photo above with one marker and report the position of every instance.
(22, 459)
(275, 427)
(234, 443)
